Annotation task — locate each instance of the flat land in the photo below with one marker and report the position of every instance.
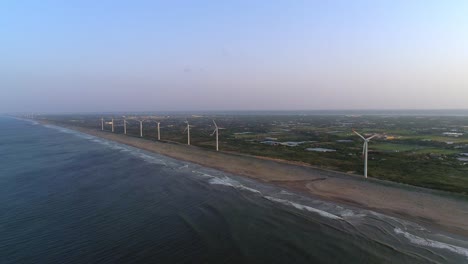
(424, 151)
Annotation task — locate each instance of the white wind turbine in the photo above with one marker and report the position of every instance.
(159, 131)
(102, 123)
(112, 125)
(188, 131)
(365, 149)
(141, 127)
(125, 125)
(216, 131)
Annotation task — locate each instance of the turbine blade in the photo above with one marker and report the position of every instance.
(215, 124)
(369, 138)
(359, 135)
(214, 131)
(185, 129)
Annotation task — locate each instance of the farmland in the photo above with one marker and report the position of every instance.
(418, 150)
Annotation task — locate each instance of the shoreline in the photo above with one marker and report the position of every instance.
(440, 210)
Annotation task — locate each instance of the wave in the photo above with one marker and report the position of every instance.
(431, 243)
(71, 131)
(347, 213)
(338, 212)
(114, 145)
(33, 122)
(149, 158)
(304, 207)
(232, 183)
(199, 173)
(286, 192)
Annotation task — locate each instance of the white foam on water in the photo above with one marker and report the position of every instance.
(134, 152)
(148, 158)
(85, 136)
(226, 181)
(304, 207)
(395, 222)
(25, 119)
(202, 174)
(431, 243)
(70, 131)
(286, 192)
(61, 129)
(350, 214)
(111, 144)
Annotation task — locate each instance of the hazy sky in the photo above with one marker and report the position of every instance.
(232, 55)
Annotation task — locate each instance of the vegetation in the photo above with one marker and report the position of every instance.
(409, 149)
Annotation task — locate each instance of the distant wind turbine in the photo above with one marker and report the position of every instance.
(112, 125)
(365, 149)
(102, 123)
(125, 125)
(216, 131)
(159, 131)
(188, 132)
(141, 127)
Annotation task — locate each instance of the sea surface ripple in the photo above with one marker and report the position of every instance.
(68, 197)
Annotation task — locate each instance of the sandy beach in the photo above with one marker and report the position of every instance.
(440, 210)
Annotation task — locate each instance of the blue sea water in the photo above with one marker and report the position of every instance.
(67, 197)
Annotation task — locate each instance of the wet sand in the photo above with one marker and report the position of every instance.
(441, 210)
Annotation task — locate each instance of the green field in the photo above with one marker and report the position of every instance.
(417, 154)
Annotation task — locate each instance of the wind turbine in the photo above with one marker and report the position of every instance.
(365, 149)
(102, 123)
(217, 134)
(125, 125)
(159, 131)
(188, 132)
(141, 127)
(112, 125)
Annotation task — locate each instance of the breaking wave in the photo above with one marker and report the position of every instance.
(431, 243)
(304, 207)
(232, 183)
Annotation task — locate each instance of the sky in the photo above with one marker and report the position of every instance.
(101, 56)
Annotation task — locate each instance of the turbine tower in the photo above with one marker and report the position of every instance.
(141, 127)
(159, 131)
(216, 131)
(188, 132)
(365, 149)
(102, 123)
(112, 125)
(125, 125)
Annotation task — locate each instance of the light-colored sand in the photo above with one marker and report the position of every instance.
(442, 210)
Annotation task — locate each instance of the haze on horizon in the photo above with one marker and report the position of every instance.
(80, 56)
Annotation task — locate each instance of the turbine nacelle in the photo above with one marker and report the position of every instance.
(216, 128)
(187, 127)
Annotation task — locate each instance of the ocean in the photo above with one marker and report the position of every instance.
(67, 197)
